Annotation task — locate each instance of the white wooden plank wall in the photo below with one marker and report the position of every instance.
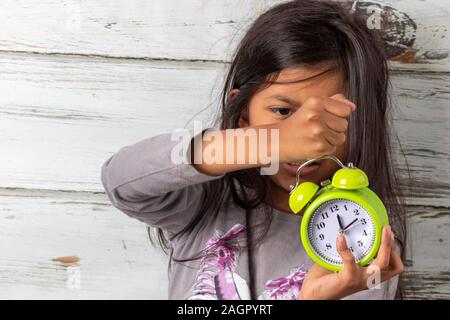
(80, 79)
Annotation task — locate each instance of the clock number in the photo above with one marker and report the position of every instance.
(324, 215)
(328, 246)
(351, 249)
(360, 244)
(321, 236)
(345, 207)
(356, 212)
(363, 221)
(365, 233)
(320, 225)
(334, 208)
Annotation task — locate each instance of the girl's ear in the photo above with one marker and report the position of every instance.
(243, 118)
(233, 93)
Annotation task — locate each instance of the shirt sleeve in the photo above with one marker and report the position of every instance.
(142, 181)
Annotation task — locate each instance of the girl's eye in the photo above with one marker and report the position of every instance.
(281, 111)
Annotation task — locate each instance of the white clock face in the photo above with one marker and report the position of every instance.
(348, 217)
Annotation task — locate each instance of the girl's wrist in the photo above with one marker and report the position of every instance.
(228, 150)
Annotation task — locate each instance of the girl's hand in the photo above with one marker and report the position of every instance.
(322, 284)
(315, 129)
(318, 126)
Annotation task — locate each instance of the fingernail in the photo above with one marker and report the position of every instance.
(341, 239)
(388, 231)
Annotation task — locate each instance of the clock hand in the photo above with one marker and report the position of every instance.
(348, 226)
(341, 228)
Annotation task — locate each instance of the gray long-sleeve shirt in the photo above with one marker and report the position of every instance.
(142, 181)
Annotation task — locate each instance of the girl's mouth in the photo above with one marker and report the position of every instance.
(306, 171)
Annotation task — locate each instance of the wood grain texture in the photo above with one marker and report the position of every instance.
(79, 80)
(421, 120)
(70, 114)
(186, 30)
(62, 117)
(428, 256)
(116, 260)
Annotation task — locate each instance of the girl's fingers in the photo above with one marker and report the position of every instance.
(338, 107)
(396, 263)
(347, 257)
(334, 122)
(334, 138)
(396, 267)
(384, 253)
(343, 98)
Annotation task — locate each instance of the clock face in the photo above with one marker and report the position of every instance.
(341, 214)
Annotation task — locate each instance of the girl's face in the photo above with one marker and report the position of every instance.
(264, 109)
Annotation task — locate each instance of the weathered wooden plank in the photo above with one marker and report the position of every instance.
(144, 29)
(63, 116)
(428, 254)
(427, 285)
(116, 260)
(422, 117)
(187, 30)
(428, 239)
(61, 121)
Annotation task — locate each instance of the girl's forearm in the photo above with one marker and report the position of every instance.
(223, 151)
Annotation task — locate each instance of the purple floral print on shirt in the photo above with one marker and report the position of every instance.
(217, 279)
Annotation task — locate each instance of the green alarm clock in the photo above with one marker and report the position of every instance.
(344, 205)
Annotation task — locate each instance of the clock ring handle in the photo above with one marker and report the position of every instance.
(304, 164)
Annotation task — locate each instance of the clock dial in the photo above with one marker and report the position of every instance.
(341, 214)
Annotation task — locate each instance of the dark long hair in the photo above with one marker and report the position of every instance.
(296, 34)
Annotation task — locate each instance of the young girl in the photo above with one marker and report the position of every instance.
(313, 71)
